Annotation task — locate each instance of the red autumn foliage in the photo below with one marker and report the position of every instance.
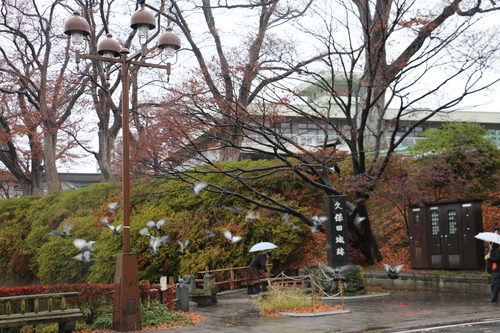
(93, 295)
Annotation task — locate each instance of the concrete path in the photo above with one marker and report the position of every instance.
(398, 311)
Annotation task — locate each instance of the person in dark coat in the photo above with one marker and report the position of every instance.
(259, 263)
(493, 267)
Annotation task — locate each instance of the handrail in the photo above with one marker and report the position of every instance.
(39, 296)
(223, 269)
(232, 280)
(35, 298)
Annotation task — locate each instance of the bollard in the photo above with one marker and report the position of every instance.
(190, 282)
(182, 297)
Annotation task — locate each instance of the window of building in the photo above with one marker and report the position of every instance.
(435, 223)
(452, 222)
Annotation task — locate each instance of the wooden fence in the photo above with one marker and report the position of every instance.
(229, 278)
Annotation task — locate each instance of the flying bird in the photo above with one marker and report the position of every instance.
(393, 272)
(360, 219)
(85, 257)
(251, 215)
(154, 242)
(234, 210)
(232, 239)
(197, 187)
(113, 206)
(84, 245)
(114, 229)
(286, 217)
(183, 247)
(209, 233)
(318, 222)
(336, 274)
(64, 233)
(155, 225)
(336, 169)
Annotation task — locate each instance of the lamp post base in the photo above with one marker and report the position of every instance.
(127, 306)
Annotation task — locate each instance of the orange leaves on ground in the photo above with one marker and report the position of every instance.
(316, 308)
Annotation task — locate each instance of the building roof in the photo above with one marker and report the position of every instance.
(80, 177)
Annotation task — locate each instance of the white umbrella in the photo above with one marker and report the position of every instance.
(262, 246)
(489, 237)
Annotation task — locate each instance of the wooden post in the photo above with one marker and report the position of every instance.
(231, 277)
(341, 294)
(148, 296)
(37, 305)
(8, 311)
(312, 288)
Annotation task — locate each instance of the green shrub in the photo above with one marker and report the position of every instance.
(104, 320)
(158, 314)
(155, 315)
(26, 250)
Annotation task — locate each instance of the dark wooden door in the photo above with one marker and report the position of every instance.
(453, 258)
(435, 237)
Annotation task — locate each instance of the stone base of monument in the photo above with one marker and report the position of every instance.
(327, 278)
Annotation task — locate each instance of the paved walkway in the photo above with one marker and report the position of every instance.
(398, 311)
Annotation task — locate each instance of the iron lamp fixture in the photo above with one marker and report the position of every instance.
(127, 311)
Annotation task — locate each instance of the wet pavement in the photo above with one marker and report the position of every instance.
(398, 311)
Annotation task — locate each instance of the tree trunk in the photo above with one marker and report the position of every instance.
(365, 239)
(232, 152)
(106, 171)
(103, 156)
(29, 185)
(51, 175)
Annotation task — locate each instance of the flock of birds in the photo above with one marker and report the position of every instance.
(156, 241)
(85, 246)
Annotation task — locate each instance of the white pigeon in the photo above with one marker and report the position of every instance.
(183, 247)
(105, 223)
(232, 239)
(154, 242)
(145, 232)
(234, 210)
(197, 187)
(84, 245)
(286, 217)
(392, 272)
(113, 206)
(156, 225)
(251, 215)
(64, 233)
(318, 222)
(360, 219)
(84, 257)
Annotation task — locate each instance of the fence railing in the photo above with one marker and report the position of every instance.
(229, 278)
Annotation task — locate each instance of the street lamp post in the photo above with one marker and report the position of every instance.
(127, 313)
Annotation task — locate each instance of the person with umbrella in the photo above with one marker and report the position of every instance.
(493, 267)
(259, 264)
